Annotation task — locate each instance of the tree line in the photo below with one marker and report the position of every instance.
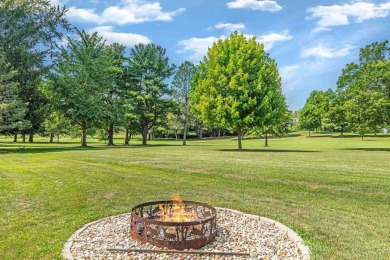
(361, 102)
(88, 86)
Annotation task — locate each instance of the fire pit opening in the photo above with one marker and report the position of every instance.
(174, 224)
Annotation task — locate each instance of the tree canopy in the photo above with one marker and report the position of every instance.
(149, 69)
(237, 85)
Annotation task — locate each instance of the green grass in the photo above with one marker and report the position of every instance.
(334, 192)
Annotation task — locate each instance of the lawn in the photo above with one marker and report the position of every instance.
(334, 192)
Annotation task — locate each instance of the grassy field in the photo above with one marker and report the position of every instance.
(334, 192)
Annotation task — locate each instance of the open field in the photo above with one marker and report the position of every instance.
(334, 192)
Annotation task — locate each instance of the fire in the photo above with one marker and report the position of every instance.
(177, 212)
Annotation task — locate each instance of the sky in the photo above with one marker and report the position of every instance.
(311, 41)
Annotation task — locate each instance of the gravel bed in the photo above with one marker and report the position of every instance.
(235, 233)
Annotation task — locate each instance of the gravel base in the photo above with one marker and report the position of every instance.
(236, 232)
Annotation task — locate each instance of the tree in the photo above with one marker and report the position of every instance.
(174, 124)
(12, 109)
(338, 111)
(235, 84)
(367, 89)
(149, 68)
(314, 114)
(114, 96)
(29, 32)
(56, 125)
(80, 80)
(309, 118)
(182, 88)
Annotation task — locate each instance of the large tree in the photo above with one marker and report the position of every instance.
(149, 69)
(80, 81)
(115, 94)
(29, 33)
(366, 86)
(182, 88)
(235, 85)
(12, 109)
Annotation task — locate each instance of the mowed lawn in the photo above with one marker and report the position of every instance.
(334, 192)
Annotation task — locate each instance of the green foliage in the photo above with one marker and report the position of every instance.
(57, 124)
(237, 86)
(366, 89)
(12, 109)
(80, 85)
(149, 69)
(316, 110)
(29, 32)
(182, 87)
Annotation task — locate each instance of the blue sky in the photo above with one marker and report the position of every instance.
(311, 41)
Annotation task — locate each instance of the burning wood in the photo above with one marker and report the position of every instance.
(177, 212)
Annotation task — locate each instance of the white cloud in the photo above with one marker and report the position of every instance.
(61, 3)
(257, 5)
(126, 39)
(289, 75)
(336, 15)
(199, 46)
(230, 27)
(270, 39)
(130, 11)
(83, 15)
(320, 51)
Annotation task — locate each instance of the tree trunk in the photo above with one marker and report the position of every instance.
(219, 133)
(145, 135)
(51, 138)
(31, 138)
(176, 136)
(266, 140)
(15, 138)
(58, 138)
(111, 135)
(362, 137)
(309, 132)
(84, 136)
(127, 137)
(239, 133)
(342, 132)
(185, 133)
(23, 138)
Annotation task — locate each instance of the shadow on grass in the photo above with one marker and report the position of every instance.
(368, 149)
(31, 149)
(265, 150)
(365, 136)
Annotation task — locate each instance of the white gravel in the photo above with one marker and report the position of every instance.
(235, 233)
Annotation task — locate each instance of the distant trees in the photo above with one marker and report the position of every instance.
(237, 86)
(315, 112)
(182, 87)
(362, 99)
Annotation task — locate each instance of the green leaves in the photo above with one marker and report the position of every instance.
(366, 89)
(83, 85)
(12, 109)
(237, 85)
(148, 69)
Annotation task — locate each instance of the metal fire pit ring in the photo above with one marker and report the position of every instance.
(146, 227)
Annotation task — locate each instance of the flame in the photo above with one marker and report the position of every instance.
(177, 212)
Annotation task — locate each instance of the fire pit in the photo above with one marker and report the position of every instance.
(174, 224)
